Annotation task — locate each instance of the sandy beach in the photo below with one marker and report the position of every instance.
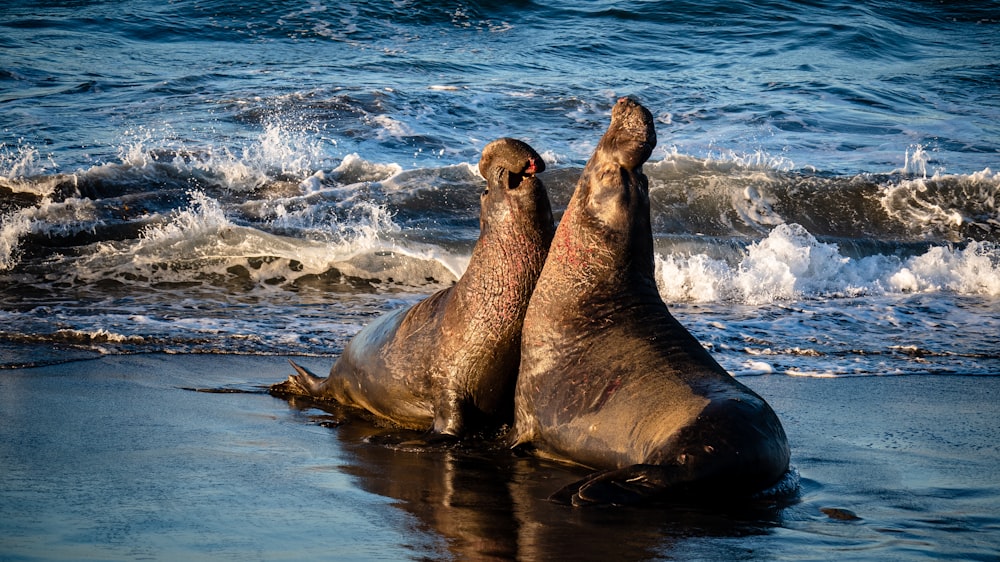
(117, 458)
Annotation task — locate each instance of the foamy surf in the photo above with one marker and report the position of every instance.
(199, 244)
(790, 263)
(752, 251)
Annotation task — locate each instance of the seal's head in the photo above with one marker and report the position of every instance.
(613, 187)
(631, 136)
(511, 155)
(513, 192)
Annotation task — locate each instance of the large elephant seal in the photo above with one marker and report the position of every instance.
(448, 363)
(608, 378)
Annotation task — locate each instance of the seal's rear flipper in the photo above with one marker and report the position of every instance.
(303, 383)
(302, 371)
(634, 484)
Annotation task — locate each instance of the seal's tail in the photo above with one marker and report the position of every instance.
(303, 383)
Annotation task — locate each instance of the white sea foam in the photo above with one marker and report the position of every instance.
(12, 227)
(279, 151)
(16, 165)
(63, 218)
(915, 162)
(99, 335)
(202, 231)
(200, 240)
(335, 220)
(973, 270)
(945, 203)
(23, 169)
(755, 368)
(430, 178)
(355, 169)
(366, 223)
(22, 161)
(71, 215)
(791, 264)
(281, 147)
(721, 160)
(389, 127)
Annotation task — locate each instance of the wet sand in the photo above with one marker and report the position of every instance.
(116, 458)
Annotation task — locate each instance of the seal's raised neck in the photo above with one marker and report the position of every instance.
(605, 233)
(516, 225)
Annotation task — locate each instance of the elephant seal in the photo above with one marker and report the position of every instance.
(608, 378)
(448, 363)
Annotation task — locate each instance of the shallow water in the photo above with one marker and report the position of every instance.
(175, 177)
(117, 459)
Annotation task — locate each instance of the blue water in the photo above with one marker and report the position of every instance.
(265, 177)
(840, 87)
(190, 171)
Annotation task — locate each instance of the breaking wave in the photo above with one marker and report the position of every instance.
(790, 263)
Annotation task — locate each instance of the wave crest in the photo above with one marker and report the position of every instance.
(790, 263)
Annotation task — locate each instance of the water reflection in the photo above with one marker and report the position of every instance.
(488, 503)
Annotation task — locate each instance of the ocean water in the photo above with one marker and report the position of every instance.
(263, 178)
(197, 177)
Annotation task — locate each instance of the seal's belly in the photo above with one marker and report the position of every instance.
(634, 425)
(379, 372)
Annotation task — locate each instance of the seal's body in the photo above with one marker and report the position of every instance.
(608, 377)
(448, 363)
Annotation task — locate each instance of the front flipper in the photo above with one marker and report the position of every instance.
(449, 414)
(303, 383)
(639, 483)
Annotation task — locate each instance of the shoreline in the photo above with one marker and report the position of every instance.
(113, 459)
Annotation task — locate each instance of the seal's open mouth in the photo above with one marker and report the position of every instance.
(509, 162)
(524, 180)
(528, 173)
(531, 169)
(513, 180)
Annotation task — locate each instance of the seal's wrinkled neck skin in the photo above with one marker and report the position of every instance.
(516, 228)
(485, 308)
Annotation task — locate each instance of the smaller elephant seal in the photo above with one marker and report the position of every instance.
(608, 378)
(448, 363)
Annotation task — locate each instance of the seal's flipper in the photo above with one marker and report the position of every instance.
(634, 484)
(303, 383)
(302, 371)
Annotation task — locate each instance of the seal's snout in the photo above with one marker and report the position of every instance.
(632, 133)
(508, 163)
(631, 115)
